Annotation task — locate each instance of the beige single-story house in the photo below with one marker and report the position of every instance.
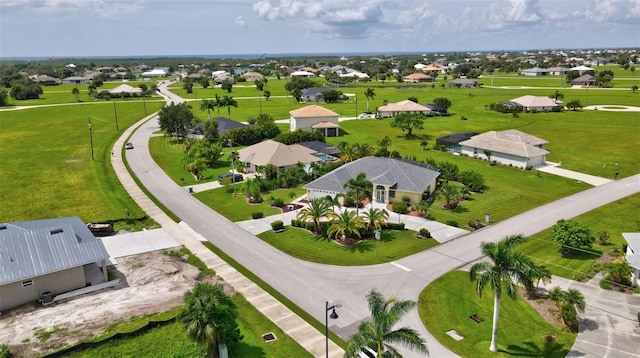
(508, 147)
(538, 103)
(278, 154)
(417, 77)
(406, 106)
(125, 88)
(75, 80)
(315, 117)
(463, 83)
(633, 255)
(44, 258)
(303, 74)
(253, 76)
(392, 179)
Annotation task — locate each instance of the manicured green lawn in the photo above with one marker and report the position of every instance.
(236, 208)
(47, 167)
(171, 341)
(615, 218)
(304, 245)
(449, 301)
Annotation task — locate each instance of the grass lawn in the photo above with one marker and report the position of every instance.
(47, 167)
(171, 341)
(236, 208)
(615, 218)
(304, 245)
(448, 302)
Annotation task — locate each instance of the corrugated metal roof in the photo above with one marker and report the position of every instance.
(34, 248)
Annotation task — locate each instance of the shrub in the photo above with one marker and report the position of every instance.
(277, 202)
(394, 226)
(399, 207)
(277, 225)
(5, 353)
(452, 223)
(257, 215)
(425, 233)
(605, 285)
(407, 199)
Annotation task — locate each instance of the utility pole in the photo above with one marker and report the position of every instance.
(233, 169)
(115, 112)
(91, 138)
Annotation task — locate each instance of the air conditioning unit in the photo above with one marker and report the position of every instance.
(47, 298)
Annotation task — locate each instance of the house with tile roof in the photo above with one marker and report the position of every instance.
(280, 155)
(315, 118)
(417, 77)
(538, 103)
(125, 88)
(392, 179)
(633, 255)
(509, 147)
(584, 80)
(46, 257)
(393, 109)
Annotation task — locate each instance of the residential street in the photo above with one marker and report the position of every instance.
(309, 284)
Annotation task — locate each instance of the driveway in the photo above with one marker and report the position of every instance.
(308, 285)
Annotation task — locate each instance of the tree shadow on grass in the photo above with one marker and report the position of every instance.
(460, 209)
(362, 246)
(242, 349)
(542, 349)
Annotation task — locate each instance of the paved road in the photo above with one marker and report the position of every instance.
(309, 284)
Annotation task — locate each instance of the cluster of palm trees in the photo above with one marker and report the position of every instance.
(507, 270)
(218, 102)
(344, 225)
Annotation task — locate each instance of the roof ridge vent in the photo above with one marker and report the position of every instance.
(3, 227)
(56, 231)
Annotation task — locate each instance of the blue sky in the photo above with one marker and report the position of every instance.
(55, 28)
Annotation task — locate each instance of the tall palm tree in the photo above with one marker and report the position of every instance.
(348, 153)
(375, 218)
(316, 210)
(508, 269)
(346, 225)
(363, 150)
(219, 103)
(379, 333)
(569, 303)
(369, 94)
(361, 186)
(384, 144)
(209, 316)
(208, 105)
(557, 96)
(76, 92)
(228, 101)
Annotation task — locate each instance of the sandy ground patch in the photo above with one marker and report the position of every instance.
(152, 282)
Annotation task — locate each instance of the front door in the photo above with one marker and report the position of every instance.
(381, 196)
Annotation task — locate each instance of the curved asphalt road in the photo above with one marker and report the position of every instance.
(309, 284)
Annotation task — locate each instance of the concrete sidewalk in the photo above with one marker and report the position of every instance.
(553, 168)
(302, 332)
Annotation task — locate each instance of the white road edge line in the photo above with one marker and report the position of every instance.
(400, 266)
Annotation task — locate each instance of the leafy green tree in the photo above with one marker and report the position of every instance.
(208, 105)
(204, 81)
(507, 269)
(264, 118)
(228, 101)
(369, 94)
(331, 96)
(297, 94)
(619, 271)
(574, 104)
(474, 181)
(259, 85)
(227, 85)
(408, 122)
(316, 210)
(379, 333)
(346, 225)
(76, 92)
(209, 316)
(175, 118)
(413, 99)
(634, 88)
(383, 147)
(450, 193)
(25, 89)
(569, 303)
(188, 85)
(3, 98)
(572, 236)
(375, 218)
(448, 171)
(442, 102)
(266, 94)
(210, 130)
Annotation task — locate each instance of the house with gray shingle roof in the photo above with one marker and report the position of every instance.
(633, 255)
(45, 256)
(392, 179)
(509, 147)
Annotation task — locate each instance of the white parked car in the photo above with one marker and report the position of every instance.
(366, 115)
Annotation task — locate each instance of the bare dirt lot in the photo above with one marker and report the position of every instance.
(151, 282)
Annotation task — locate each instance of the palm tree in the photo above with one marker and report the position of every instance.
(384, 144)
(209, 316)
(540, 273)
(379, 333)
(316, 210)
(508, 265)
(450, 193)
(369, 94)
(76, 92)
(375, 218)
(569, 303)
(251, 190)
(422, 208)
(228, 101)
(363, 150)
(361, 186)
(557, 96)
(345, 225)
(219, 103)
(208, 105)
(348, 153)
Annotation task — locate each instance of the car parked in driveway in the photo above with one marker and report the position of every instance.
(236, 177)
(129, 145)
(366, 115)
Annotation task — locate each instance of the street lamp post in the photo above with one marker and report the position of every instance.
(115, 112)
(233, 169)
(91, 139)
(333, 315)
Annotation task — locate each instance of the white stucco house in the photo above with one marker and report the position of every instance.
(633, 254)
(393, 109)
(508, 147)
(75, 80)
(280, 155)
(538, 103)
(154, 73)
(315, 118)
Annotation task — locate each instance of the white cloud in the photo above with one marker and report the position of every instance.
(239, 21)
(104, 8)
(606, 11)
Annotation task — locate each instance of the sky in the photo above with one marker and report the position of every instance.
(130, 28)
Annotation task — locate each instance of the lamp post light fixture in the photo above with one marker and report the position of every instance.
(233, 169)
(333, 315)
(91, 138)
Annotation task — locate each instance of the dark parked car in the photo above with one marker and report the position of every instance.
(236, 177)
